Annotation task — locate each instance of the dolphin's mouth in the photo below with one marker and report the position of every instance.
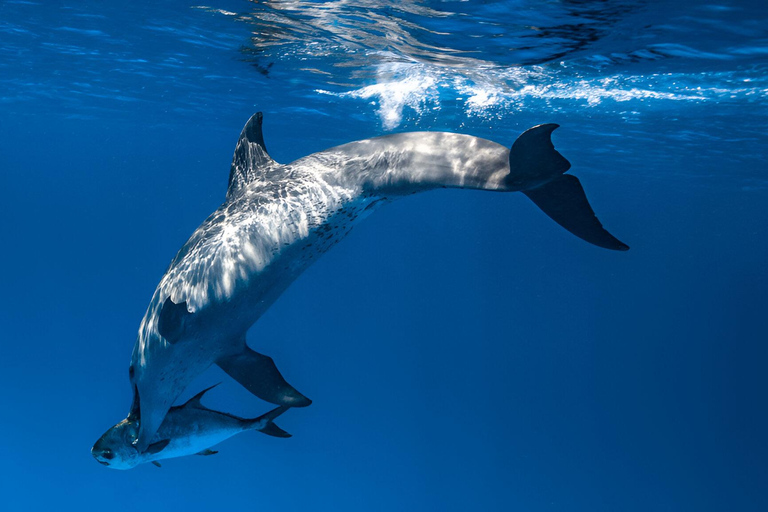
(102, 462)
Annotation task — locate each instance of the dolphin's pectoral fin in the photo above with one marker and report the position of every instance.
(207, 452)
(258, 374)
(564, 201)
(155, 463)
(171, 320)
(157, 447)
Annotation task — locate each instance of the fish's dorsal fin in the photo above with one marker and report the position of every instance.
(250, 158)
(195, 400)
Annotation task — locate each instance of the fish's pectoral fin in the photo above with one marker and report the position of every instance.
(207, 452)
(564, 201)
(157, 447)
(258, 374)
(156, 464)
(172, 319)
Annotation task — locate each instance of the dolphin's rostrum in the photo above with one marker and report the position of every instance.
(277, 219)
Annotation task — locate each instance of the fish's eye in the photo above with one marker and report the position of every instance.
(107, 454)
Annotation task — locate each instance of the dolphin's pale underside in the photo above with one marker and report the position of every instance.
(277, 219)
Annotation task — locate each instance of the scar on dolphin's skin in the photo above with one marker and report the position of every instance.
(277, 219)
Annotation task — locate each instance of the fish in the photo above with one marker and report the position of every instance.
(188, 429)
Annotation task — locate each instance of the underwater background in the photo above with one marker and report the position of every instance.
(462, 350)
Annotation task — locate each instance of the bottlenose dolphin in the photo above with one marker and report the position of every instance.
(189, 429)
(277, 219)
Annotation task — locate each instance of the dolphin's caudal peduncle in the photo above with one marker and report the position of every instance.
(277, 219)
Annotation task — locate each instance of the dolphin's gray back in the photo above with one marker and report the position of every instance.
(315, 199)
(246, 234)
(403, 163)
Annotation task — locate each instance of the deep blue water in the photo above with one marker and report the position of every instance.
(462, 350)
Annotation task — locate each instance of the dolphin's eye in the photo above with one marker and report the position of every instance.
(131, 372)
(107, 454)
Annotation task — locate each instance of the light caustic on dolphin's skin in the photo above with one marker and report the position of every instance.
(277, 219)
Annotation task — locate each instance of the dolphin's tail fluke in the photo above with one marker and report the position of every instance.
(265, 423)
(533, 159)
(537, 170)
(564, 200)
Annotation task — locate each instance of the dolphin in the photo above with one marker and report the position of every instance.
(277, 219)
(189, 429)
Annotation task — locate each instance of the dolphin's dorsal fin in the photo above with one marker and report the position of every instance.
(251, 157)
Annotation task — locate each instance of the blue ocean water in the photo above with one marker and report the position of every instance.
(462, 350)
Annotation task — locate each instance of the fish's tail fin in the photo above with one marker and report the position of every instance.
(265, 423)
(537, 169)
